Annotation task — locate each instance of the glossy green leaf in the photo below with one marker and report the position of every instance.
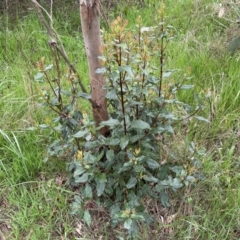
(190, 178)
(101, 177)
(167, 74)
(159, 187)
(169, 129)
(99, 156)
(177, 169)
(82, 179)
(111, 123)
(176, 183)
(133, 230)
(88, 191)
(164, 199)
(128, 69)
(84, 95)
(135, 138)
(114, 142)
(128, 223)
(100, 188)
(124, 142)
(137, 216)
(150, 179)
(38, 76)
(79, 171)
(139, 124)
(110, 155)
(88, 137)
(131, 183)
(87, 217)
(111, 94)
(81, 134)
(48, 67)
(89, 158)
(153, 164)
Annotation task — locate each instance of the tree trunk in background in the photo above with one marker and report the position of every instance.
(89, 12)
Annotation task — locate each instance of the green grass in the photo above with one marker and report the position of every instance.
(38, 211)
(34, 198)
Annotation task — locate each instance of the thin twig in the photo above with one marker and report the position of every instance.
(53, 43)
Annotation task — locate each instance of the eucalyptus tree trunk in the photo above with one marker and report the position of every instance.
(89, 12)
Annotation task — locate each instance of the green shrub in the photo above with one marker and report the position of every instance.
(120, 171)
